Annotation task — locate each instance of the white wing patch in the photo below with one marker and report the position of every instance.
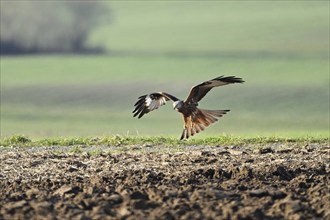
(153, 104)
(148, 103)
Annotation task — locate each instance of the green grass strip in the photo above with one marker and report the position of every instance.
(23, 141)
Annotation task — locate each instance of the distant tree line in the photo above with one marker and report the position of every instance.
(49, 26)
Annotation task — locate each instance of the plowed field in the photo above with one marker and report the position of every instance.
(195, 182)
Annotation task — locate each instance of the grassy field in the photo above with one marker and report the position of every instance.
(217, 27)
(279, 48)
(120, 141)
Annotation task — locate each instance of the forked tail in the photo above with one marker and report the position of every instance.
(199, 120)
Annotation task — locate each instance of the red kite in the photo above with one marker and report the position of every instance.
(195, 119)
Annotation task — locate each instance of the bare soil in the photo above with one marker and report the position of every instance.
(143, 182)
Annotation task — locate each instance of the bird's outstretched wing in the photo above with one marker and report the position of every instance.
(150, 102)
(199, 91)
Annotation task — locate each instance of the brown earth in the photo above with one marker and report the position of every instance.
(193, 182)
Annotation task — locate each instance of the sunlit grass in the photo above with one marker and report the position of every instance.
(117, 140)
(284, 27)
(159, 70)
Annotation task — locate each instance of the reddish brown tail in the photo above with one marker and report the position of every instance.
(198, 121)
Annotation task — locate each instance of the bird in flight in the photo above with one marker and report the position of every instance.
(195, 119)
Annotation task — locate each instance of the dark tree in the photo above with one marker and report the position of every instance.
(49, 26)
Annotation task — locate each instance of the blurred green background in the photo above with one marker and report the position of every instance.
(126, 49)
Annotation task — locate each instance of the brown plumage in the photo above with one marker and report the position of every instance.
(195, 119)
(199, 120)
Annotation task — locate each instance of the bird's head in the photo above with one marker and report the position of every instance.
(177, 105)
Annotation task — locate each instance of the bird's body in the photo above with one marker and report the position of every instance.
(195, 119)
